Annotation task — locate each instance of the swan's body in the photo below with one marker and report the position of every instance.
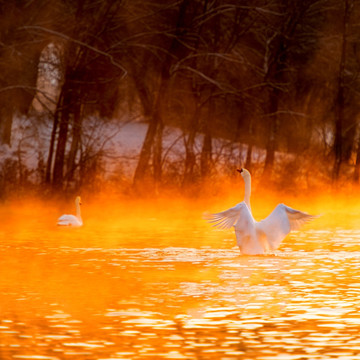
(72, 220)
(256, 238)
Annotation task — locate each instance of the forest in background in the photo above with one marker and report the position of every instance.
(279, 78)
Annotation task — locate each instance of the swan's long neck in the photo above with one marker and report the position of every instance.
(247, 194)
(78, 214)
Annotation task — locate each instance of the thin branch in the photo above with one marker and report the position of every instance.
(31, 88)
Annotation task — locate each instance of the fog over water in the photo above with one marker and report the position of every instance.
(146, 109)
(151, 280)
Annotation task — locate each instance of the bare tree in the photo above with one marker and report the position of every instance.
(346, 99)
(288, 40)
(168, 52)
(91, 78)
(215, 76)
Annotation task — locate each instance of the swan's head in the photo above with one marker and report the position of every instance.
(78, 200)
(244, 173)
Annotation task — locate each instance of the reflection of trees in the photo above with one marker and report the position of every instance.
(270, 74)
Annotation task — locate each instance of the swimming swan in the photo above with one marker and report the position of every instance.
(72, 220)
(253, 237)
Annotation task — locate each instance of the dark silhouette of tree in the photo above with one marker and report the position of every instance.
(347, 89)
(288, 42)
(211, 71)
(91, 78)
(277, 75)
(167, 53)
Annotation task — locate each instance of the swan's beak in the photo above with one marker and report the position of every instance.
(240, 170)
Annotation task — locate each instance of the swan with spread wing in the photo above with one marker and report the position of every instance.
(257, 237)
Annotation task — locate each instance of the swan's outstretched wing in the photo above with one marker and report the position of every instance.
(280, 222)
(228, 218)
(297, 218)
(240, 217)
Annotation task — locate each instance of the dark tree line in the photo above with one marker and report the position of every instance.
(276, 75)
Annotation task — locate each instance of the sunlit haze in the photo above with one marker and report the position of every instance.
(215, 147)
(149, 278)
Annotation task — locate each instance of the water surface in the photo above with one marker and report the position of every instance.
(173, 288)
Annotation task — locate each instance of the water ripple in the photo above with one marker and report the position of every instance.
(106, 296)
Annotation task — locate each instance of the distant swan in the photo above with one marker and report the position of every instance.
(72, 220)
(256, 238)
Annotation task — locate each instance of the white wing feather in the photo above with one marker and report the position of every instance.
(280, 222)
(228, 218)
(297, 218)
(241, 218)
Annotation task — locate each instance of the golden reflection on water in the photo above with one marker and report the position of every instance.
(161, 283)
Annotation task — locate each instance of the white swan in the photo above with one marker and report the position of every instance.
(72, 220)
(256, 238)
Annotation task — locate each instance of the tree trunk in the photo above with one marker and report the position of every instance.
(51, 150)
(76, 135)
(145, 152)
(157, 149)
(206, 151)
(190, 158)
(338, 142)
(357, 164)
(153, 139)
(6, 118)
(340, 99)
(146, 100)
(190, 162)
(206, 155)
(58, 172)
(152, 145)
(52, 140)
(273, 133)
(248, 162)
